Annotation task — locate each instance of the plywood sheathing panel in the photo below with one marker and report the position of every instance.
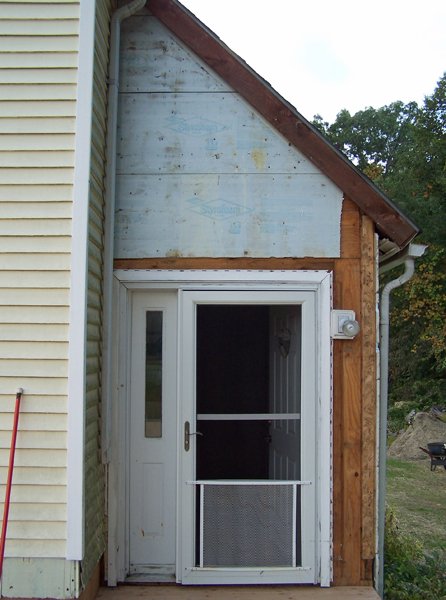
(285, 119)
(199, 172)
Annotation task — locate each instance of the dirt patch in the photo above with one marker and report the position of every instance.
(424, 429)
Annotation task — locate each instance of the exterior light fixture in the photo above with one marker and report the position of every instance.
(344, 324)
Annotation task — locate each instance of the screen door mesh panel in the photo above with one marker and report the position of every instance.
(248, 526)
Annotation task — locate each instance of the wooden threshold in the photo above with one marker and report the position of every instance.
(249, 592)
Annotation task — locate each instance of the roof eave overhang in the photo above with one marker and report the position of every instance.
(389, 220)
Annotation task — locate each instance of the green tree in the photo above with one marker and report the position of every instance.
(402, 148)
(424, 168)
(417, 362)
(372, 138)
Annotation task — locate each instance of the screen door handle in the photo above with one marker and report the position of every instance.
(187, 434)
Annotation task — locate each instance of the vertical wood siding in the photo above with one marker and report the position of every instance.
(354, 415)
(38, 74)
(94, 472)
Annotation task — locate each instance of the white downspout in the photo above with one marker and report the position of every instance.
(110, 190)
(414, 250)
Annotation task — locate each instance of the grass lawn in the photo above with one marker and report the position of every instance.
(418, 497)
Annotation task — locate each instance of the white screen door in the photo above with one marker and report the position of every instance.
(153, 472)
(248, 437)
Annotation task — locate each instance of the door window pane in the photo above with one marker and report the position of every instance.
(154, 374)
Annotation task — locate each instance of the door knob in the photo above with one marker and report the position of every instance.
(187, 434)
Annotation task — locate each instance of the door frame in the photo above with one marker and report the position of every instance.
(116, 414)
(307, 573)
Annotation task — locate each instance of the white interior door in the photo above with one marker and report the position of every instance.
(264, 528)
(285, 391)
(153, 472)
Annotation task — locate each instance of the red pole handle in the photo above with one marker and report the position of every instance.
(9, 480)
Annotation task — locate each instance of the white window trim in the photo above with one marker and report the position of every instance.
(262, 279)
(140, 279)
(78, 292)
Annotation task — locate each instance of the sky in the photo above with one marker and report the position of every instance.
(326, 55)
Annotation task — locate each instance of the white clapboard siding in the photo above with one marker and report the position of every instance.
(33, 368)
(38, 405)
(36, 125)
(34, 314)
(37, 512)
(34, 27)
(38, 176)
(36, 210)
(24, 262)
(50, 3)
(34, 279)
(36, 142)
(43, 530)
(25, 457)
(34, 332)
(35, 421)
(36, 549)
(37, 159)
(35, 439)
(35, 227)
(45, 297)
(37, 385)
(34, 475)
(35, 244)
(38, 90)
(38, 76)
(36, 193)
(37, 10)
(24, 109)
(39, 60)
(49, 43)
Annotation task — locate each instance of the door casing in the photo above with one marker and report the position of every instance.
(117, 426)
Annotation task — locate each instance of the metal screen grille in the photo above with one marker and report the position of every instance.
(248, 526)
